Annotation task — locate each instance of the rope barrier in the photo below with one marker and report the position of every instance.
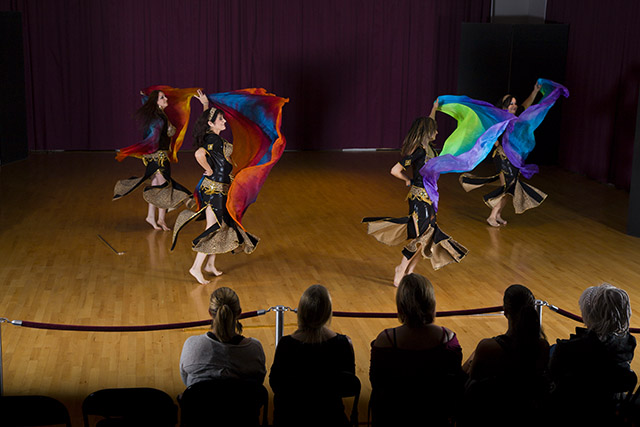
(469, 312)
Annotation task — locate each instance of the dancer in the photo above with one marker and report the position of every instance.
(524, 196)
(222, 234)
(156, 151)
(229, 185)
(420, 225)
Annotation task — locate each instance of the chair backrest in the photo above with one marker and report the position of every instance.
(32, 411)
(130, 406)
(224, 402)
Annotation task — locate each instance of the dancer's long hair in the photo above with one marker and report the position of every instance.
(149, 111)
(201, 128)
(224, 307)
(422, 132)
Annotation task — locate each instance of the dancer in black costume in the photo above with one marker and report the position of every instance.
(163, 193)
(222, 233)
(420, 226)
(524, 195)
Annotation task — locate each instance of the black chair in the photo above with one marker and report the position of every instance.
(130, 407)
(224, 402)
(32, 411)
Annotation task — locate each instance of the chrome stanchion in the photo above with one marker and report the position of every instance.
(539, 305)
(2, 320)
(279, 310)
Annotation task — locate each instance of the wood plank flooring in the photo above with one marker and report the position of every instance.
(53, 267)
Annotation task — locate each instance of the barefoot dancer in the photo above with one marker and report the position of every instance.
(222, 234)
(420, 226)
(156, 152)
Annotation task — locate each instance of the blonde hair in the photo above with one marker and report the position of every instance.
(416, 301)
(422, 131)
(314, 312)
(606, 310)
(224, 308)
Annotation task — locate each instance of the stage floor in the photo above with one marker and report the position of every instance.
(55, 269)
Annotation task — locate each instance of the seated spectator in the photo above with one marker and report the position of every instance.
(415, 371)
(222, 353)
(309, 367)
(593, 365)
(507, 374)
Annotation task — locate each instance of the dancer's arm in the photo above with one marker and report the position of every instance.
(527, 102)
(201, 157)
(436, 104)
(203, 99)
(399, 172)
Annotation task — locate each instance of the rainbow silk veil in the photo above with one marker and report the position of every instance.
(480, 124)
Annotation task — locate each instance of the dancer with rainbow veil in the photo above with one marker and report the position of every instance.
(163, 117)
(420, 226)
(234, 171)
(483, 128)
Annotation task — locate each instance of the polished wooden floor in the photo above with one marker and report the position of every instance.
(54, 268)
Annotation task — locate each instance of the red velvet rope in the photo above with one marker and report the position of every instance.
(469, 312)
(577, 318)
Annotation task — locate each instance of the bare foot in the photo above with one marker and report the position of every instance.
(493, 222)
(213, 271)
(198, 275)
(152, 221)
(398, 276)
(501, 220)
(163, 225)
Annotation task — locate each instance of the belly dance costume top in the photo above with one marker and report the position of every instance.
(420, 226)
(524, 196)
(168, 195)
(225, 235)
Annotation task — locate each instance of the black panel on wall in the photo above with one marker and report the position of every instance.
(496, 59)
(13, 112)
(633, 224)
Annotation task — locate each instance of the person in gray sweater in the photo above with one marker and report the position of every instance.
(222, 352)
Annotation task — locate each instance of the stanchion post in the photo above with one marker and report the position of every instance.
(279, 309)
(539, 305)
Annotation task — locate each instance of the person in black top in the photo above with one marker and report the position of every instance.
(420, 226)
(222, 233)
(312, 367)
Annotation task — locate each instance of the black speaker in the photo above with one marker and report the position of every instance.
(13, 111)
(500, 59)
(633, 224)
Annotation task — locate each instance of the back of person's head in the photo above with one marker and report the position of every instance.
(422, 131)
(416, 301)
(606, 310)
(224, 307)
(314, 312)
(520, 308)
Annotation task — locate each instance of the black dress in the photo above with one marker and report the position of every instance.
(420, 226)
(164, 196)
(524, 196)
(225, 235)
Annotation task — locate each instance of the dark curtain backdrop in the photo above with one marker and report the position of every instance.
(603, 75)
(357, 72)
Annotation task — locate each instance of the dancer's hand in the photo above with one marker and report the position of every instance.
(203, 99)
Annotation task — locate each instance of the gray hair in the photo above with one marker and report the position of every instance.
(605, 310)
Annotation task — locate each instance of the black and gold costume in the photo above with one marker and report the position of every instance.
(165, 196)
(225, 235)
(420, 226)
(525, 196)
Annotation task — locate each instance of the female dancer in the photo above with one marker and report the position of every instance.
(524, 195)
(420, 226)
(163, 193)
(222, 233)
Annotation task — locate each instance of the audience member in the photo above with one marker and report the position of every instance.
(222, 353)
(507, 374)
(415, 371)
(310, 367)
(592, 367)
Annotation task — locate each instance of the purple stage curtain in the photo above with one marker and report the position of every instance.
(357, 71)
(603, 75)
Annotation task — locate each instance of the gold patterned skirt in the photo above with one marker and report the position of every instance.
(524, 196)
(420, 229)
